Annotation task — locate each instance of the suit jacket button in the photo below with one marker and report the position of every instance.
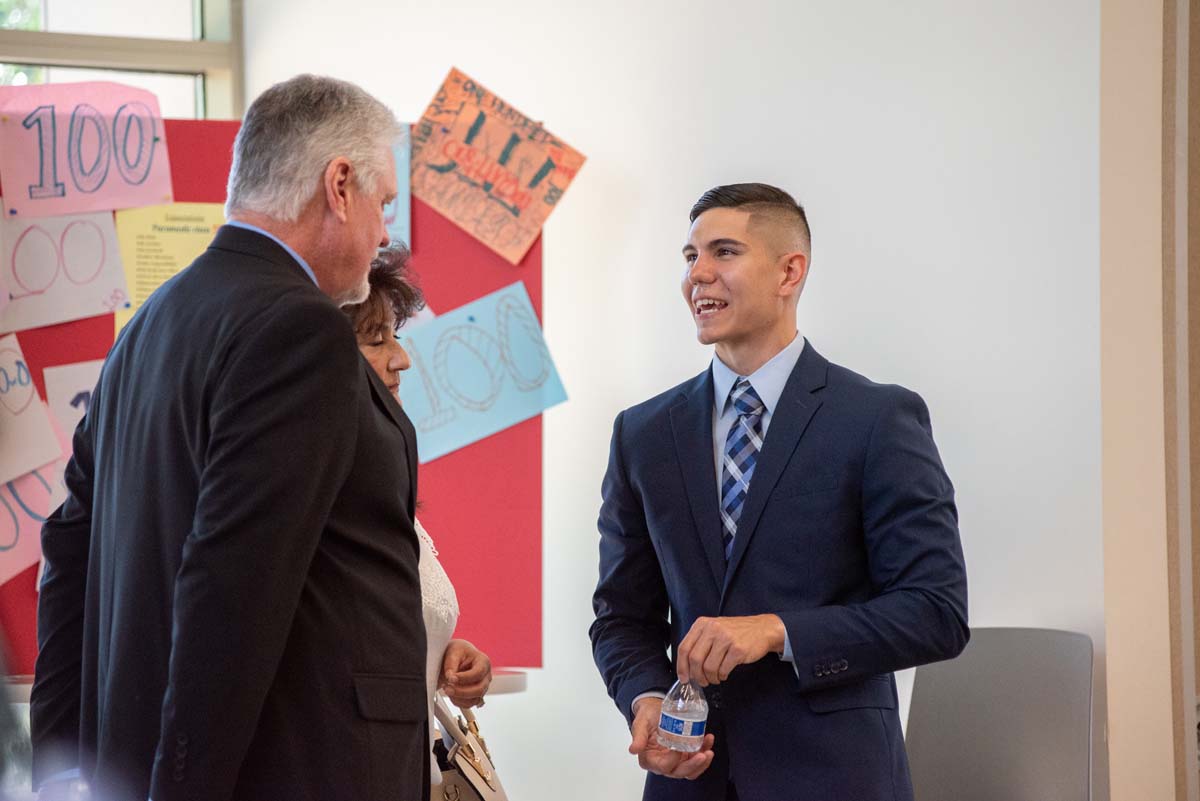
(177, 775)
(182, 739)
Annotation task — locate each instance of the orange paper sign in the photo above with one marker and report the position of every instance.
(488, 167)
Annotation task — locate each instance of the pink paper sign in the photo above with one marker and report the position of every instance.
(25, 503)
(60, 268)
(27, 438)
(74, 147)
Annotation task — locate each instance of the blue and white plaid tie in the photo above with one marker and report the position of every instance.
(741, 452)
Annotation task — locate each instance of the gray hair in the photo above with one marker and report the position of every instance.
(290, 134)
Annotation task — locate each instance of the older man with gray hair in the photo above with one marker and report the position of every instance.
(231, 605)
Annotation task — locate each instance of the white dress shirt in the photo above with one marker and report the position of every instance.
(768, 382)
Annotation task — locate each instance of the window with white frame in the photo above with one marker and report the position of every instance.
(187, 52)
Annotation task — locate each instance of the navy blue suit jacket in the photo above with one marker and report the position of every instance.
(849, 534)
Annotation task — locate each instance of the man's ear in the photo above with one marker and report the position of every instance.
(336, 181)
(795, 271)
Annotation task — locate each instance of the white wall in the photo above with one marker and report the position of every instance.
(947, 154)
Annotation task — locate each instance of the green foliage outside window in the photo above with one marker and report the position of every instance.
(20, 15)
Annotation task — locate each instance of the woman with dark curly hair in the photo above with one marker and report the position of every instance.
(393, 299)
(456, 667)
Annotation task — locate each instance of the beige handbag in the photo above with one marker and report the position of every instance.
(470, 775)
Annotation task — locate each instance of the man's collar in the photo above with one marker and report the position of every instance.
(768, 381)
(303, 264)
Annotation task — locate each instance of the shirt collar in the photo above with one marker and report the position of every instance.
(768, 381)
(303, 264)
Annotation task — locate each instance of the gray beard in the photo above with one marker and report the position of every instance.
(354, 296)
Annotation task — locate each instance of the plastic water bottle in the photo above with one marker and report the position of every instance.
(684, 715)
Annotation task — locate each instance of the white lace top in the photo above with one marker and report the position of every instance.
(439, 605)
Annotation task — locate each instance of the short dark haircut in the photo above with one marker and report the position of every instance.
(754, 198)
(392, 287)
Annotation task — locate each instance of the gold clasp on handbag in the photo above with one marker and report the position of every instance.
(474, 726)
(477, 764)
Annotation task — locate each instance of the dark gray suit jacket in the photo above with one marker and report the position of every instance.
(231, 607)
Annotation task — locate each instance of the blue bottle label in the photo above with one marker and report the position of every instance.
(685, 728)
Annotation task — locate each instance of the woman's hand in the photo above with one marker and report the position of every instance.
(466, 674)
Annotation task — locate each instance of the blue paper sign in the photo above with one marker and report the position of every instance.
(477, 370)
(397, 215)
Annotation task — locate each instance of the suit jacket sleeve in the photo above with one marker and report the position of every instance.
(630, 635)
(54, 710)
(910, 526)
(281, 444)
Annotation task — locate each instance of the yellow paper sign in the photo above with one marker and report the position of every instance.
(488, 167)
(158, 241)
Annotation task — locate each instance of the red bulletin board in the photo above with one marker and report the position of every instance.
(481, 504)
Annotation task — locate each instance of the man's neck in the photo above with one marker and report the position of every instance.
(296, 235)
(289, 233)
(744, 358)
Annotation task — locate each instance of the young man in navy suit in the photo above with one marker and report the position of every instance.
(785, 526)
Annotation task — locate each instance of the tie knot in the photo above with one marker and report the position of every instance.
(745, 399)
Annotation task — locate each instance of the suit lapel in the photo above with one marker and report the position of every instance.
(796, 407)
(691, 426)
(396, 414)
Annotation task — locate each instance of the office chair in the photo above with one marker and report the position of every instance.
(1009, 720)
